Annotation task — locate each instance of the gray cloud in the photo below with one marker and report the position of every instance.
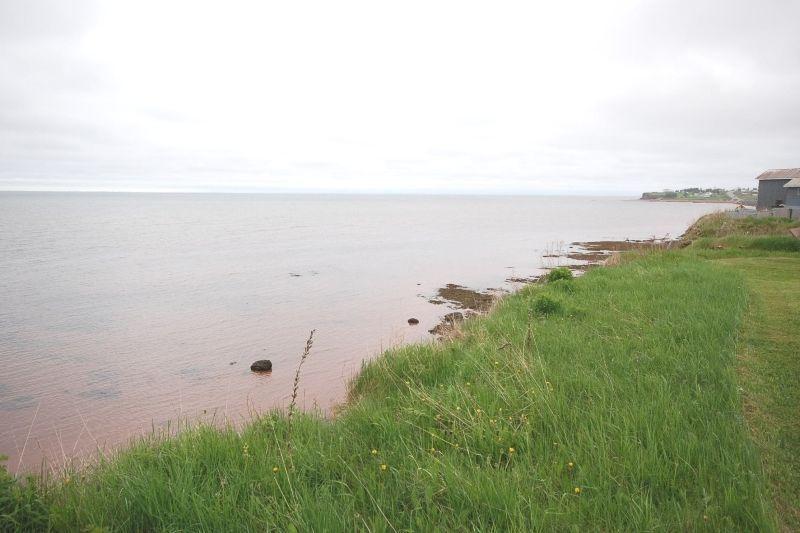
(45, 20)
(661, 94)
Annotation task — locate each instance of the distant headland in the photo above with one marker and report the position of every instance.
(745, 196)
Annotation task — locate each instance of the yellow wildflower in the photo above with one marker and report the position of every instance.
(577, 490)
(275, 469)
(374, 451)
(511, 450)
(570, 465)
(384, 467)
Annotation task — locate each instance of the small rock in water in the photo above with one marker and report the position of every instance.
(232, 363)
(263, 365)
(413, 321)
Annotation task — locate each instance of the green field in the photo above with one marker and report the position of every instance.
(660, 394)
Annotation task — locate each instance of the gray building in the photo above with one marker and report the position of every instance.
(793, 193)
(771, 186)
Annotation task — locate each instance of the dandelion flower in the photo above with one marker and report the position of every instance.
(384, 467)
(497, 362)
(275, 469)
(570, 465)
(511, 450)
(577, 490)
(374, 451)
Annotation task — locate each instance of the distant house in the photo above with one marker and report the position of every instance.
(774, 186)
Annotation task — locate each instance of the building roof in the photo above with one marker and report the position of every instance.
(780, 174)
(794, 182)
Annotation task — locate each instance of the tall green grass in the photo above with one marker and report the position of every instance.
(769, 243)
(608, 402)
(716, 225)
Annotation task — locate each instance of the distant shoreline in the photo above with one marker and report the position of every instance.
(690, 201)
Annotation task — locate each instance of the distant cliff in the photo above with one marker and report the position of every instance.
(696, 194)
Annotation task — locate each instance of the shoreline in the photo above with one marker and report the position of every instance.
(579, 257)
(560, 383)
(692, 201)
(463, 303)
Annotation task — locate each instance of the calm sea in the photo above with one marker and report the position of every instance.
(120, 312)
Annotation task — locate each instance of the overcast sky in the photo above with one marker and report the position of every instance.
(533, 97)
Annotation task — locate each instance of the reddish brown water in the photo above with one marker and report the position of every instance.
(122, 312)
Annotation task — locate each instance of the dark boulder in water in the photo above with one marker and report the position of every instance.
(413, 321)
(263, 365)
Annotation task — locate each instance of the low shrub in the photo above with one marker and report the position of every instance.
(559, 273)
(545, 304)
(563, 285)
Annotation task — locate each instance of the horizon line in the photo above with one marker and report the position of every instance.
(328, 192)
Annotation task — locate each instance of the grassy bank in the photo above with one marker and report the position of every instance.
(720, 225)
(608, 402)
